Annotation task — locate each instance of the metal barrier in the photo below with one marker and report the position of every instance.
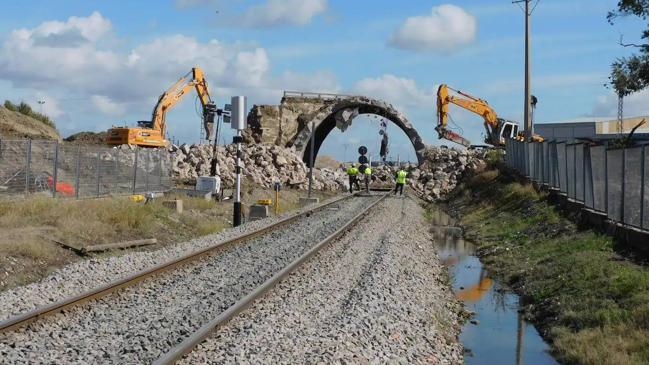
(75, 171)
(608, 181)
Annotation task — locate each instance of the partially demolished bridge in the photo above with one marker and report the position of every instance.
(289, 124)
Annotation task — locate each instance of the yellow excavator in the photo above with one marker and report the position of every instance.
(497, 129)
(152, 133)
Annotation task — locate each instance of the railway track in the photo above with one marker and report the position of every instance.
(176, 304)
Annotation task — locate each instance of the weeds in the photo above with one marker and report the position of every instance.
(25, 109)
(593, 307)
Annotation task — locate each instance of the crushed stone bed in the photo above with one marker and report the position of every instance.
(377, 295)
(138, 324)
(87, 274)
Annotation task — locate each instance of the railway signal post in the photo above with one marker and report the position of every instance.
(238, 122)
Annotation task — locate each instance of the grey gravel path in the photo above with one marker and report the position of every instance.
(378, 295)
(138, 324)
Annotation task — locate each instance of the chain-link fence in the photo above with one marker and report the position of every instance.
(608, 181)
(75, 171)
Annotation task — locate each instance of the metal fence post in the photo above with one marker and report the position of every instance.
(583, 172)
(28, 165)
(98, 170)
(642, 182)
(147, 157)
(623, 186)
(565, 158)
(592, 179)
(137, 153)
(78, 172)
(606, 181)
(574, 172)
(161, 154)
(115, 168)
(56, 165)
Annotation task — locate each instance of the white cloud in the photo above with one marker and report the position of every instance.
(504, 86)
(395, 90)
(283, 12)
(636, 104)
(127, 81)
(448, 27)
(108, 106)
(46, 104)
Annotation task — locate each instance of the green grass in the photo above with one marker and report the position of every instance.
(590, 303)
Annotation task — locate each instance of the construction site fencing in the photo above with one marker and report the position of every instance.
(75, 171)
(605, 180)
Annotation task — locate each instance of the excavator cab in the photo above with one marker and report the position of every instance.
(145, 124)
(508, 130)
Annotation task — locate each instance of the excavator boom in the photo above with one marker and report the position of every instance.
(152, 133)
(497, 129)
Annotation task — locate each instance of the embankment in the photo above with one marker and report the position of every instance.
(586, 297)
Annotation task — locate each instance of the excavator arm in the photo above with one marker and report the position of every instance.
(497, 129)
(151, 133)
(171, 97)
(468, 102)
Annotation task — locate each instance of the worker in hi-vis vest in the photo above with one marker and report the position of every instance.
(401, 181)
(352, 172)
(368, 176)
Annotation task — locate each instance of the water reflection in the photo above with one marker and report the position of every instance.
(498, 334)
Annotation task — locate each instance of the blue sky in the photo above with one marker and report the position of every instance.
(99, 63)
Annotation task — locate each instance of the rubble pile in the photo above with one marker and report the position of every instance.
(264, 165)
(441, 171)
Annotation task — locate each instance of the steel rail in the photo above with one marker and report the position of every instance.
(187, 346)
(20, 320)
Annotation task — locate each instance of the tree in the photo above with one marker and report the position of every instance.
(631, 74)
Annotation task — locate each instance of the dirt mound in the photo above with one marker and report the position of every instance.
(88, 138)
(14, 125)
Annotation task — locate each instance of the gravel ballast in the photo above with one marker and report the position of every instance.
(377, 295)
(85, 275)
(138, 324)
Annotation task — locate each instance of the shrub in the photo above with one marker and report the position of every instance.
(11, 106)
(25, 109)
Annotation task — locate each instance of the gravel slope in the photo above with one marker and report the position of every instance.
(378, 295)
(138, 324)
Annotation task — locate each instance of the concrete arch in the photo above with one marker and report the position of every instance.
(341, 112)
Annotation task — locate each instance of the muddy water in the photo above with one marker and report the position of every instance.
(497, 334)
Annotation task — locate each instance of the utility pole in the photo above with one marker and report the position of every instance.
(528, 127)
(41, 102)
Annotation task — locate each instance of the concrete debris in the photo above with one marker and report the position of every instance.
(438, 175)
(263, 165)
